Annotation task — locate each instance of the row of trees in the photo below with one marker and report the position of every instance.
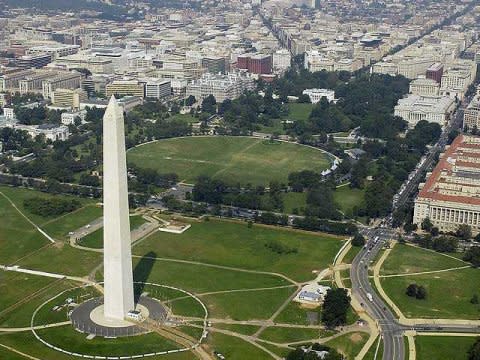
(51, 206)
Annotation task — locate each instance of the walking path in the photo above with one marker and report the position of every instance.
(19, 352)
(425, 272)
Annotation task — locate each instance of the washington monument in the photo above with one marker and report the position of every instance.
(118, 273)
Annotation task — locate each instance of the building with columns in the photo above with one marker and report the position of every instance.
(451, 194)
(415, 108)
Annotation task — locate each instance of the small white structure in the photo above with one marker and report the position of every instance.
(8, 113)
(316, 95)
(68, 118)
(312, 294)
(135, 315)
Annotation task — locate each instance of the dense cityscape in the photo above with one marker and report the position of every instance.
(240, 179)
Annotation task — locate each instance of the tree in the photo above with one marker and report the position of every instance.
(208, 104)
(412, 290)
(474, 299)
(472, 255)
(335, 307)
(477, 238)
(421, 293)
(358, 240)
(474, 351)
(464, 231)
(426, 224)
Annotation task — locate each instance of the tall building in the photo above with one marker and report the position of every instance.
(281, 59)
(214, 64)
(471, 115)
(34, 61)
(125, 87)
(451, 194)
(435, 72)
(69, 98)
(157, 88)
(68, 80)
(117, 256)
(255, 64)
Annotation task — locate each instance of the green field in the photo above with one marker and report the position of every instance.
(347, 198)
(235, 245)
(286, 335)
(349, 344)
(443, 347)
(405, 259)
(232, 159)
(185, 117)
(299, 111)
(448, 294)
(294, 200)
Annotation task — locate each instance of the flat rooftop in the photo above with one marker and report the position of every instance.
(456, 178)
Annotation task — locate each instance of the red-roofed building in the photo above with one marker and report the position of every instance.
(451, 194)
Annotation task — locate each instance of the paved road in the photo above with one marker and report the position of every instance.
(391, 331)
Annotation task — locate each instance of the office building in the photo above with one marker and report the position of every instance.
(414, 108)
(471, 115)
(33, 61)
(157, 88)
(255, 64)
(424, 87)
(435, 72)
(214, 64)
(451, 194)
(69, 98)
(67, 80)
(125, 87)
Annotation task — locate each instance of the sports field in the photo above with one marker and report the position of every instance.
(232, 159)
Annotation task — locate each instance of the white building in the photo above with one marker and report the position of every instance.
(316, 95)
(222, 87)
(281, 59)
(8, 113)
(157, 89)
(424, 87)
(68, 118)
(414, 108)
(51, 131)
(312, 294)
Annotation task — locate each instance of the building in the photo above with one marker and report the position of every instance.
(414, 108)
(67, 80)
(214, 64)
(424, 87)
(125, 87)
(414, 67)
(282, 59)
(127, 103)
(471, 115)
(312, 294)
(8, 113)
(316, 95)
(69, 98)
(68, 118)
(34, 61)
(455, 82)
(222, 87)
(255, 64)
(51, 132)
(55, 51)
(157, 88)
(435, 72)
(451, 194)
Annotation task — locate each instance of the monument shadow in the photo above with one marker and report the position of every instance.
(142, 272)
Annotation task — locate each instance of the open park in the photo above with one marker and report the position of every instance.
(232, 159)
(235, 271)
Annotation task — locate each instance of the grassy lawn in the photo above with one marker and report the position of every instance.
(62, 259)
(275, 127)
(288, 335)
(347, 198)
(299, 111)
(405, 259)
(350, 255)
(68, 338)
(294, 200)
(448, 294)
(241, 329)
(234, 348)
(249, 305)
(190, 119)
(232, 159)
(95, 239)
(443, 347)
(199, 278)
(349, 344)
(16, 313)
(235, 245)
(295, 314)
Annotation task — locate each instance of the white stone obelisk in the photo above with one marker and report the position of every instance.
(118, 275)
